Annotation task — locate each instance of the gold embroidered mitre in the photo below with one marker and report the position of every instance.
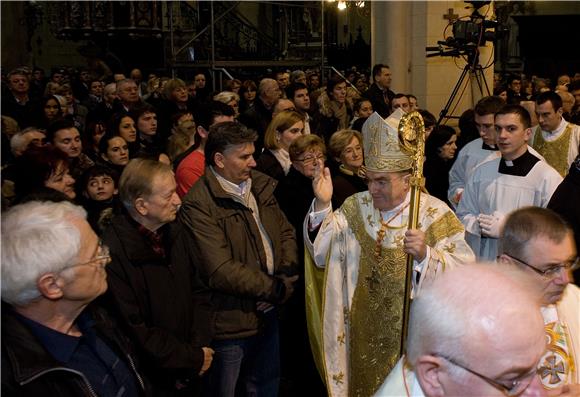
(381, 144)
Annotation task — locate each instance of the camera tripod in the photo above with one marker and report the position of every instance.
(471, 70)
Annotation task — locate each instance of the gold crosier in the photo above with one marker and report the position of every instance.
(412, 142)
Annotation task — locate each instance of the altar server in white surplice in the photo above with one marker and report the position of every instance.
(516, 179)
(479, 150)
(363, 246)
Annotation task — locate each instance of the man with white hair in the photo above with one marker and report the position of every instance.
(540, 246)
(54, 343)
(473, 332)
(23, 139)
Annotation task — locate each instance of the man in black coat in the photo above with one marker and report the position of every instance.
(153, 282)
(379, 93)
(54, 341)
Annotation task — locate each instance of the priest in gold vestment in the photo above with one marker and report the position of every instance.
(362, 247)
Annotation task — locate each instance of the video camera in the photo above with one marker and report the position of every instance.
(469, 34)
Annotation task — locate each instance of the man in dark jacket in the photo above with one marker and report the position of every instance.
(245, 250)
(379, 93)
(53, 344)
(152, 280)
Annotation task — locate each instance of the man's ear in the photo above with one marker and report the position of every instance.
(141, 206)
(49, 286)
(428, 371)
(218, 159)
(202, 131)
(528, 134)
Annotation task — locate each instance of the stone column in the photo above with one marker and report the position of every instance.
(391, 40)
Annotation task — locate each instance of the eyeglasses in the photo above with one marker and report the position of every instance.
(552, 271)
(103, 256)
(312, 159)
(515, 387)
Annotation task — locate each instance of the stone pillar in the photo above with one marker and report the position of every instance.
(391, 40)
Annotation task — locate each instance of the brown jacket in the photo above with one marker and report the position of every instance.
(229, 251)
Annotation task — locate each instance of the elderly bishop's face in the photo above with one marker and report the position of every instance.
(388, 189)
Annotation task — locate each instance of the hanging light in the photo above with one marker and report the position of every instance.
(341, 5)
(360, 4)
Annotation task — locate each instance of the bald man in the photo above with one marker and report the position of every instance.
(475, 331)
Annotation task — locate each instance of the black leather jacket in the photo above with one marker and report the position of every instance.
(29, 370)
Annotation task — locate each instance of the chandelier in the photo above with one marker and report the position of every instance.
(344, 4)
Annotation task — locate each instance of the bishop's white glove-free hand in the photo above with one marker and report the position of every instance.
(491, 225)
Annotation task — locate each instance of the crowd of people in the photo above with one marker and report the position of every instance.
(159, 238)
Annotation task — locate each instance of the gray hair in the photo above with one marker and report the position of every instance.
(122, 83)
(18, 142)
(264, 84)
(37, 238)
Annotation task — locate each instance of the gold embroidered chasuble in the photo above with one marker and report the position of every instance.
(363, 298)
(555, 152)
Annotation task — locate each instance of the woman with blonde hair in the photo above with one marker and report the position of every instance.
(284, 128)
(231, 99)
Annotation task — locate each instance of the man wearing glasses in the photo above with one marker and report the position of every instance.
(541, 246)
(54, 342)
(475, 331)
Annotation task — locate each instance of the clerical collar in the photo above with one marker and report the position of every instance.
(561, 127)
(518, 167)
(485, 146)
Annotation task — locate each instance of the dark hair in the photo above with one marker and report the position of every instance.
(94, 171)
(573, 86)
(205, 114)
(519, 110)
(488, 105)
(292, 88)
(377, 69)
(440, 135)
(45, 100)
(358, 124)
(358, 103)
(35, 166)
(140, 110)
(498, 90)
(104, 142)
(528, 223)
(53, 128)
(397, 96)
(333, 82)
(224, 135)
(550, 96)
(512, 78)
(115, 122)
(248, 85)
(428, 119)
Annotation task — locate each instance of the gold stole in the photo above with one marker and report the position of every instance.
(555, 152)
(375, 318)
